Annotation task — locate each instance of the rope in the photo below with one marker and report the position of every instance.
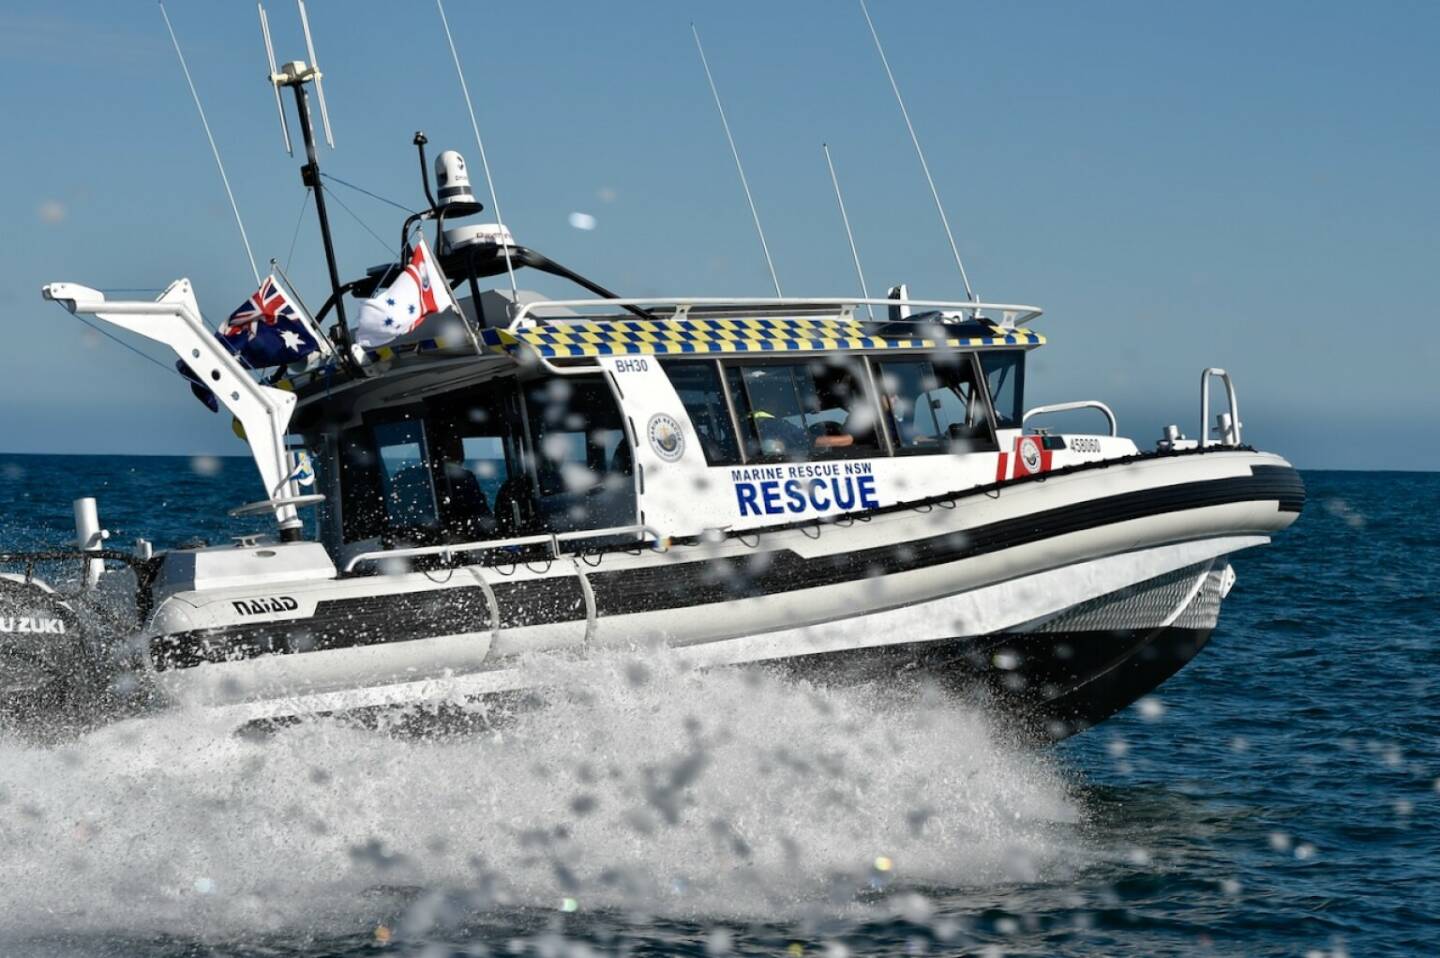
(361, 189)
(331, 193)
(116, 339)
(304, 203)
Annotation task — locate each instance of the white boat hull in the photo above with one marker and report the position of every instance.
(971, 571)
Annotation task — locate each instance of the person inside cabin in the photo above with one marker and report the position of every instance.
(779, 436)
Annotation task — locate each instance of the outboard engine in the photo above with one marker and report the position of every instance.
(46, 663)
(68, 661)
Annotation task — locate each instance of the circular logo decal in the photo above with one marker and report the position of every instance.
(1030, 454)
(665, 437)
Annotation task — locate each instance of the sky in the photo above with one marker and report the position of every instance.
(1178, 185)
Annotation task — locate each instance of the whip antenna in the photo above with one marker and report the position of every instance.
(503, 239)
(738, 166)
(296, 74)
(969, 293)
(274, 77)
(319, 77)
(864, 290)
(215, 150)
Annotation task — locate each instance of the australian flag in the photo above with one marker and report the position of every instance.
(266, 330)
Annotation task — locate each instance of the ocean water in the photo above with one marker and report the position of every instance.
(1280, 796)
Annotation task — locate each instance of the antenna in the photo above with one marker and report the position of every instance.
(295, 75)
(319, 77)
(969, 293)
(215, 150)
(738, 166)
(864, 290)
(503, 234)
(274, 77)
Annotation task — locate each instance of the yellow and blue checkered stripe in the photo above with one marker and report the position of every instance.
(658, 337)
(642, 337)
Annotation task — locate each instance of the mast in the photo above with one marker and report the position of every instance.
(296, 74)
(310, 176)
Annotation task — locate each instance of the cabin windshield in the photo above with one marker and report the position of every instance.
(496, 460)
(935, 403)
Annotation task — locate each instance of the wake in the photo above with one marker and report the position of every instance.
(635, 785)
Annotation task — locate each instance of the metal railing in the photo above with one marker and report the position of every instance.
(553, 539)
(1069, 406)
(843, 309)
(1228, 423)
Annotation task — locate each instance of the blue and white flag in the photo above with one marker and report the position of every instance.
(267, 329)
(419, 291)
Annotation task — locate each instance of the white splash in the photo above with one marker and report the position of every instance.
(635, 785)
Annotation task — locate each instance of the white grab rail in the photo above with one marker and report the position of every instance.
(552, 538)
(1228, 423)
(1068, 406)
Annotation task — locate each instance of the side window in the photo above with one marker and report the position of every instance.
(698, 385)
(484, 458)
(584, 465)
(744, 414)
(936, 405)
(474, 443)
(405, 474)
(797, 412)
(362, 510)
(1005, 374)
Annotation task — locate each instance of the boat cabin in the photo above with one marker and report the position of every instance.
(607, 430)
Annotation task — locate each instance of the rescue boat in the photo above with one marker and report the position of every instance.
(849, 488)
(759, 481)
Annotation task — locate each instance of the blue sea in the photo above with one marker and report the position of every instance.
(1280, 796)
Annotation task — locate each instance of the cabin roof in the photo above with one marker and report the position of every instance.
(617, 337)
(698, 336)
(688, 336)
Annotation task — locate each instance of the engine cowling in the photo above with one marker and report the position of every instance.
(44, 662)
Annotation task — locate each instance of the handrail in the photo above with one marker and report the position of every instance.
(1068, 406)
(1011, 314)
(553, 538)
(1228, 422)
(265, 505)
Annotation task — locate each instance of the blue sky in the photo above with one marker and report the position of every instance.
(1246, 185)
